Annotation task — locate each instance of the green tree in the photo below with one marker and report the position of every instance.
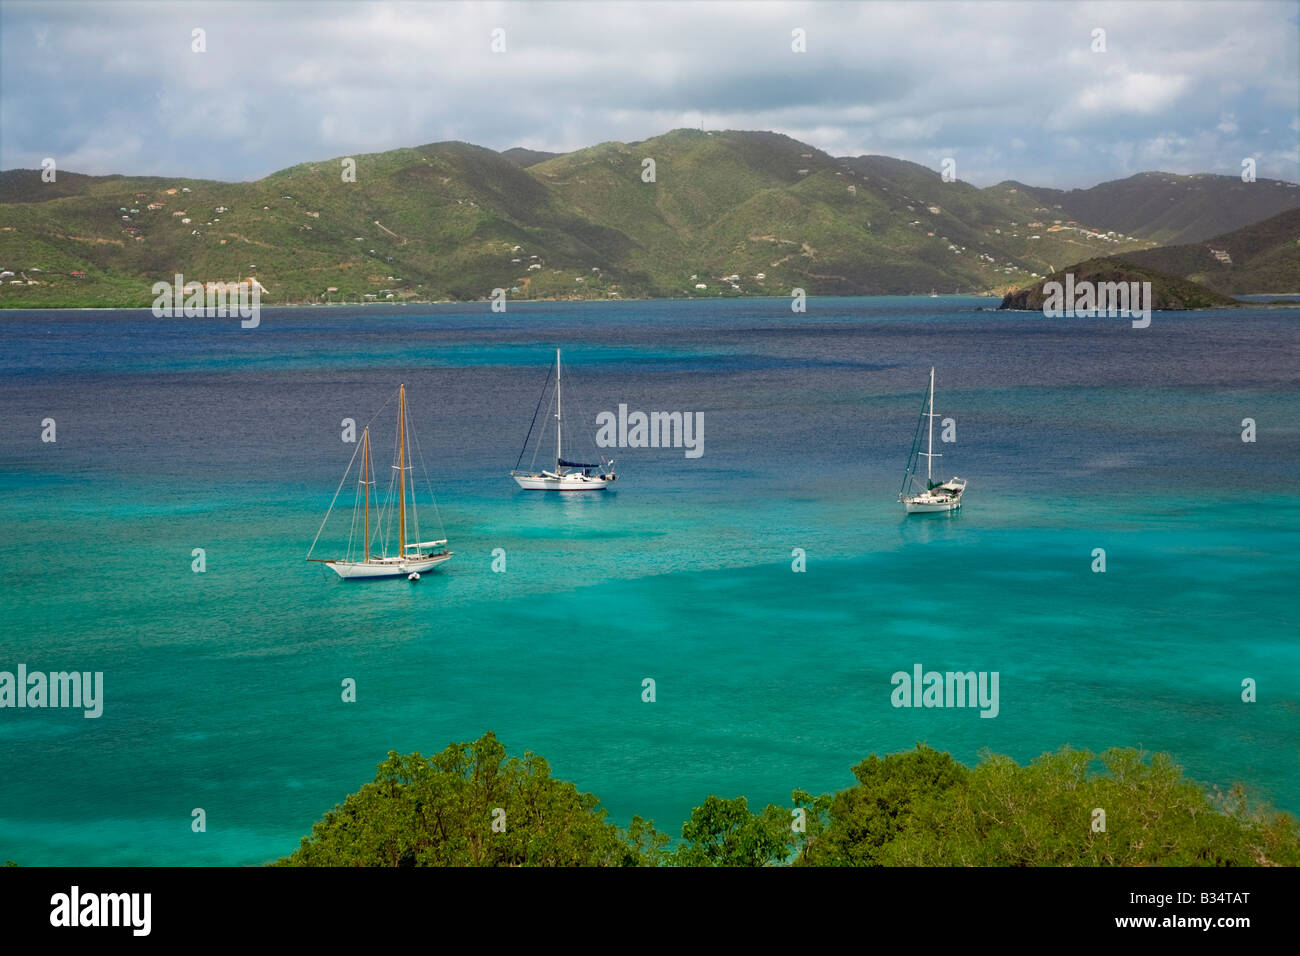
(1073, 808)
(471, 806)
(890, 790)
(725, 833)
(1069, 808)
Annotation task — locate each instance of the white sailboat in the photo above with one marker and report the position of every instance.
(411, 558)
(565, 476)
(937, 496)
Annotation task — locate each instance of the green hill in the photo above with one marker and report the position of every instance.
(522, 156)
(1167, 292)
(1263, 257)
(728, 213)
(1173, 209)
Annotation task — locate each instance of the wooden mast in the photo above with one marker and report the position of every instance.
(365, 450)
(401, 470)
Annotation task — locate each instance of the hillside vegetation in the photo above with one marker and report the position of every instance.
(727, 213)
(1173, 209)
(1262, 257)
(1168, 292)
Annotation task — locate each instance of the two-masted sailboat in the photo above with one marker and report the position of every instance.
(411, 558)
(937, 496)
(564, 476)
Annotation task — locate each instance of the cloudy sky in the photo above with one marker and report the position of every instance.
(1010, 90)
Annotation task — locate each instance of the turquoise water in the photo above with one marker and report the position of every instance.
(223, 688)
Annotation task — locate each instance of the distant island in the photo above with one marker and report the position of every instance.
(686, 214)
(1167, 292)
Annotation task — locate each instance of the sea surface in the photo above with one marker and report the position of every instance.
(223, 688)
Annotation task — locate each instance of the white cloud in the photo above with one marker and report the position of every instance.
(1144, 93)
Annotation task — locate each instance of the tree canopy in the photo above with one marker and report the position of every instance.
(470, 805)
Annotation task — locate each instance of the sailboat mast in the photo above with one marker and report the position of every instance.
(929, 458)
(558, 412)
(365, 451)
(401, 470)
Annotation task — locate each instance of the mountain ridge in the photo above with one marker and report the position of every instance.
(736, 212)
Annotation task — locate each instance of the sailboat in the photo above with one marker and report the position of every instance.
(411, 558)
(561, 478)
(937, 496)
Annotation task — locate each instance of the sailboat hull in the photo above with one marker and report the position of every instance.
(944, 497)
(914, 506)
(561, 482)
(386, 567)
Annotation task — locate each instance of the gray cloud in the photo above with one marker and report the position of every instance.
(1011, 90)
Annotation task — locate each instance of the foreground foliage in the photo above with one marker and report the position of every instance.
(440, 811)
(924, 809)
(918, 808)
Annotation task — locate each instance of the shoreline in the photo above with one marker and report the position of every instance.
(467, 302)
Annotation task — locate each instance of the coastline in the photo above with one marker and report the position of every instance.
(5, 307)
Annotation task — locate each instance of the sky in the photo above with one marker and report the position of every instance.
(1007, 90)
